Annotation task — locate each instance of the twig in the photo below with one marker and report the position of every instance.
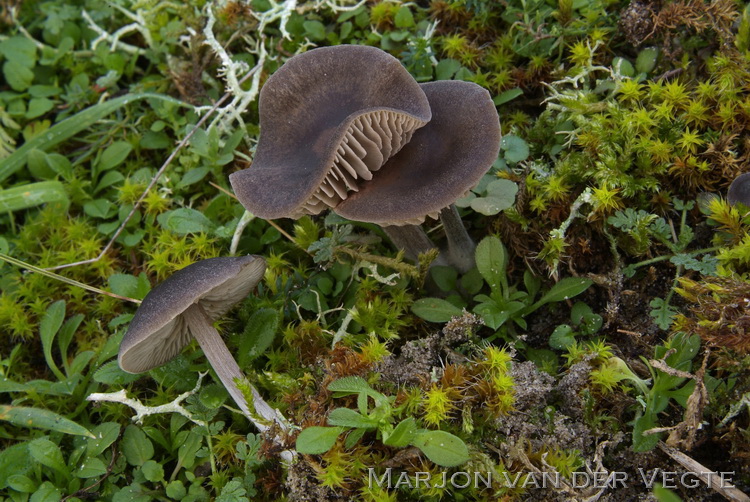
(72, 282)
(705, 474)
(631, 333)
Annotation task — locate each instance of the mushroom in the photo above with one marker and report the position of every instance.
(185, 304)
(739, 190)
(443, 161)
(330, 117)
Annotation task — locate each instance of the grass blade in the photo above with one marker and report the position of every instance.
(72, 126)
(33, 194)
(72, 282)
(41, 419)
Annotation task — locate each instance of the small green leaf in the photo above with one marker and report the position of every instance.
(99, 208)
(48, 328)
(38, 107)
(153, 471)
(185, 221)
(152, 140)
(47, 492)
(315, 30)
(515, 148)
(646, 60)
(14, 459)
(110, 178)
(114, 155)
(565, 289)
(21, 483)
(350, 385)
(501, 194)
(562, 337)
(136, 446)
(662, 312)
(48, 454)
(354, 436)
(402, 434)
(317, 440)
(442, 447)
(44, 91)
(259, 334)
(446, 68)
(345, 417)
(129, 285)
(104, 435)
(445, 277)
(176, 490)
(19, 49)
(507, 96)
(435, 309)
(92, 467)
(491, 261)
(111, 374)
(623, 67)
(18, 76)
(193, 176)
(212, 396)
(404, 18)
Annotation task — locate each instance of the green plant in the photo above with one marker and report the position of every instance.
(584, 322)
(678, 354)
(505, 302)
(443, 448)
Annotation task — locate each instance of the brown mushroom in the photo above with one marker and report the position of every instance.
(184, 306)
(443, 161)
(329, 118)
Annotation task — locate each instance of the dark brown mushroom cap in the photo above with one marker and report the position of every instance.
(739, 190)
(443, 160)
(158, 332)
(308, 111)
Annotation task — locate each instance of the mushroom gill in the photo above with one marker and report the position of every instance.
(329, 118)
(443, 160)
(370, 140)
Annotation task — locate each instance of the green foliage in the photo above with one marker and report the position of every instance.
(583, 322)
(505, 302)
(612, 166)
(442, 448)
(679, 351)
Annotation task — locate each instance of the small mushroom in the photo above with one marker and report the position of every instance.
(443, 161)
(185, 305)
(739, 190)
(329, 117)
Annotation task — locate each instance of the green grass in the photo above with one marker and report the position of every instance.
(610, 187)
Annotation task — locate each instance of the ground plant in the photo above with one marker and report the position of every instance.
(594, 344)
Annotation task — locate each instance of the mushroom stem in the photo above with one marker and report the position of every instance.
(226, 367)
(460, 244)
(413, 240)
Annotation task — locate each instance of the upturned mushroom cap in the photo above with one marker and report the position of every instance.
(329, 117)
(158, 332)
(443, 160)
(739, 190)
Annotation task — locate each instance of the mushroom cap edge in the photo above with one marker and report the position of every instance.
(157, 332)
(444, 159)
